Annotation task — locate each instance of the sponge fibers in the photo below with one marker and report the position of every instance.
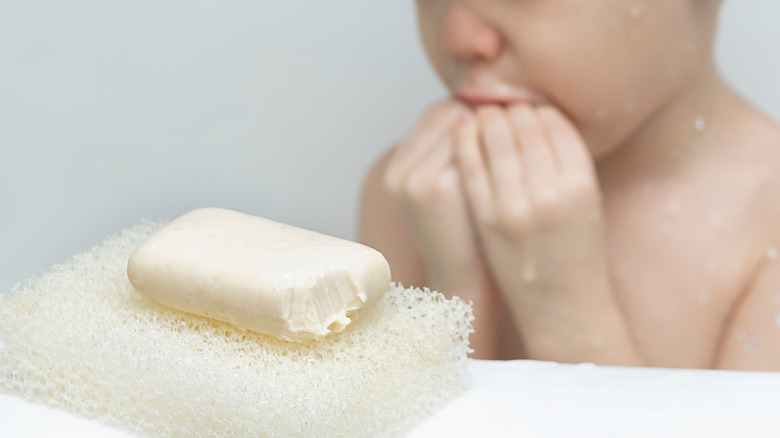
(80, 338)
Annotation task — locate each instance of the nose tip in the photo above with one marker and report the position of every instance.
(469, 37)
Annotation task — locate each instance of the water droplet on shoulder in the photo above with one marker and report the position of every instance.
(529, 273)
(700, 124)
(636, 11)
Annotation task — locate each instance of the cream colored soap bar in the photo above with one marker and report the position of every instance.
(258, 274)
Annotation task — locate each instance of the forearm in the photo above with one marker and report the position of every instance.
(575, 325)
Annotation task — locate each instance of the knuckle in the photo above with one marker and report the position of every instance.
(424, 188)
(390, 181)
(394, 179)
(548, 206)
(515, 218)
(546, 200)
(416, 191)
(448, 180)
(515, 212)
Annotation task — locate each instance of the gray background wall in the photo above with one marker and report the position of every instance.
(115, 111)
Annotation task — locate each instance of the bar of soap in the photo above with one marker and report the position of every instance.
(258, 274)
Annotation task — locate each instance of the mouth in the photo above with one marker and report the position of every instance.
(475, 100)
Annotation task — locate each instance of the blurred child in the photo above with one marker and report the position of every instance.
(592, 185)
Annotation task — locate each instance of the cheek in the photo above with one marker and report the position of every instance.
(430, 22)
(589, 94)
(584, 73)
(605, 82)
(607, 115)
(622, 75)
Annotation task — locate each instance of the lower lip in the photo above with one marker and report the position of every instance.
(482, 101)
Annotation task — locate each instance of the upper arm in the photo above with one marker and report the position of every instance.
(382, 227)
(751, 339)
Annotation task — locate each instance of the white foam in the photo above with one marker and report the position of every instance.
(81, 339)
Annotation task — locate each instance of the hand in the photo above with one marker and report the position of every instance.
(534, 198)
(424, 180)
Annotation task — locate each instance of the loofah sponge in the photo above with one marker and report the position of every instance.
(82, 339)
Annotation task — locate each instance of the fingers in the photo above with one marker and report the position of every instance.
(573, 156)
(521, 166)
(432, 179)
(539, 159)
(436, 123)
(473, 168)
(502, 152)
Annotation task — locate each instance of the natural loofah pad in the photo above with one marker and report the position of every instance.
(82, 339)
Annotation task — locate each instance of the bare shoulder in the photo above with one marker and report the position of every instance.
(381, 226)
(741, 186)
(748, 340)
(761, 139)
(751, 184)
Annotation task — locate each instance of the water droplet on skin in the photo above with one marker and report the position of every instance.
(772, 253)
(777, 320)
(700, 124)
(635, 12)
(750, 347)
(629, 107)
(668, 227)
(777, 298)
(741, 335)
(529, 273)
(602, 113)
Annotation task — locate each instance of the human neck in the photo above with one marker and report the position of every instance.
(671, 137)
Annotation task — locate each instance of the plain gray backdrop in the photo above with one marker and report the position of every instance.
(115, 111)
